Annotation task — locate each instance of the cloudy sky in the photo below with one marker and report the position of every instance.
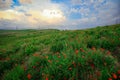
(58, 14)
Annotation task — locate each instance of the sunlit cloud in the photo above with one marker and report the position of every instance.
(61, 14)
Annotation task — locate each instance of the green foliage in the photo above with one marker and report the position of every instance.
(29, 49)
(60, 55)
(15, 74)
(57, 47)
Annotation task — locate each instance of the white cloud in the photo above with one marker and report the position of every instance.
(5, 4)
(33, 15)
(25, 1)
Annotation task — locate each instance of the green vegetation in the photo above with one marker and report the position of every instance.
(91, 54)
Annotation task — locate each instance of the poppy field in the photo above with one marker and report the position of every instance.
(90, 54)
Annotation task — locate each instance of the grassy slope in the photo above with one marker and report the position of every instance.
(60, 55)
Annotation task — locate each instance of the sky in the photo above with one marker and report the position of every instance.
(58, 14)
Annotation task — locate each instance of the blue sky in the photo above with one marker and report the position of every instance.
(58, 14)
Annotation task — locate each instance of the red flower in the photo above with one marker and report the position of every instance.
(119, 77)
(82, 50)
(65, 78)
(118, 71)
(102, 49)
(93, 48)
(46, 57)
(92, 65)
(29, 76)
(46, 78)
(114, 76)
(25, 68)
(49, 61)
(76, 51)
(105, 63)
(98, 73)
(74, 64)
(109, 78)
(70, 68)
(34, 67)
(59, 56)
(108, 52)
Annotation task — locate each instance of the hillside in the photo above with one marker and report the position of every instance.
(91, 54)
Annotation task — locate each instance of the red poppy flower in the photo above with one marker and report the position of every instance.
(118, 71)
(46, 78)
(119, 77)
(70, 68)
(49, 61)
(34, 67)
(92, 65)
(108, 52)
(98, 73)
(82, 50)
(74, 64)
(109, 78)
(102, 49)
(114, 76)
(93, 48)
(46, 57)
(76, 51)
(59, 56)
(65, 78)
(29, 76)
(25, 68)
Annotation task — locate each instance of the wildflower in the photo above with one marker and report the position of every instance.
(90, 76)
(59, 56)
(52, 76)
(82, 50)
(46, 57)
(56, 61)
(83, 56)
(109, 78)
(25, 68)
(70, 68)
(105, 63)
(93, 48)
(49, 61)
(114, 76)
(16, 64)
(102, 49)
(94, 79)
(46, 78)
(34, 67)
(108, 52)
(7, 58)
(98, 73)
(29, 76)
(74, 64)
(35, 54)
(92, 65)
(119, 77)
(76, 51)
(65, 56)
(57, 53)
(118, 71)
(65, 78)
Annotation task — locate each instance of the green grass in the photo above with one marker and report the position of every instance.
(91, 54)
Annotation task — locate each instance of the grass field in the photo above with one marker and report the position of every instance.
(91, 54)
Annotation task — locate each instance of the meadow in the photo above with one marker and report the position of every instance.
(90, 54)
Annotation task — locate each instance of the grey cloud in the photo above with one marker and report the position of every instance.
(5, 4)
(27, 14)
